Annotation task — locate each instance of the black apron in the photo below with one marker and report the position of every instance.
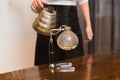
(66, 15)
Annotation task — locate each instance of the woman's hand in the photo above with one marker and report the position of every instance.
(89, 33)
(37, 5)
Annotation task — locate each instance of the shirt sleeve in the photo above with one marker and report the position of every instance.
(82, 1)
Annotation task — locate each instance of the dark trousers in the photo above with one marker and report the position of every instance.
(66, 15)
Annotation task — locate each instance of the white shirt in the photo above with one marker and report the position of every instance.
(66, 2)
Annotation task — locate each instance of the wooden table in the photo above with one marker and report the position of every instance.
(101, 66)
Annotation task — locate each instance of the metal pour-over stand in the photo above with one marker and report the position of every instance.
(51, 44)
(52, 66)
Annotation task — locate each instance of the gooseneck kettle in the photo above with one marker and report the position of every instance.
(45, 21)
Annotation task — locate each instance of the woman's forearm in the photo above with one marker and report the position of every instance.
(86, 13)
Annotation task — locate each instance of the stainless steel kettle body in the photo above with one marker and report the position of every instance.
(45, 21)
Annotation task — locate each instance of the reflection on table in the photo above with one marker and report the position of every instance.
(103, 66)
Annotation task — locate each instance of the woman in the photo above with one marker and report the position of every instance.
(66, 15)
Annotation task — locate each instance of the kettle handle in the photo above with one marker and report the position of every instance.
(50, 9)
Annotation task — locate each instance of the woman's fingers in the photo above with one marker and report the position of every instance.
(37, 5)
(89, 34)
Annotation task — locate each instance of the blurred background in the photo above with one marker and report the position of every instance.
(17, 38)
(105, 17)
(106, 24)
